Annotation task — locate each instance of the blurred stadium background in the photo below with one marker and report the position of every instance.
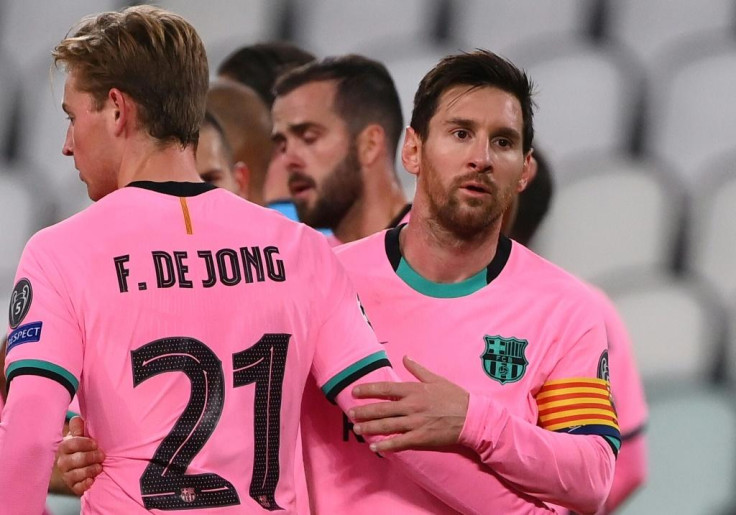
(636, 113)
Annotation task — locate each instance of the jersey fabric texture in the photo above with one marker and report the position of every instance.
(187, 321)
(524, 338)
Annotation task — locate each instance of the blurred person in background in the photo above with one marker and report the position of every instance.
(246, 123)
(214, 159)
(336, 128)
(258, 66)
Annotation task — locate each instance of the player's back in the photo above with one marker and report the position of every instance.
(198, 314)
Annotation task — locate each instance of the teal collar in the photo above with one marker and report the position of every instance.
(444, 290)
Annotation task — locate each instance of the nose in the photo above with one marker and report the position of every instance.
(68, 148)
(481, 158)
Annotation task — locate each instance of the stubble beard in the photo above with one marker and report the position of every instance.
(467, 219)
(336, 195)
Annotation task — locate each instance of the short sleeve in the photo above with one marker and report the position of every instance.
(345, 345)
(44, 336)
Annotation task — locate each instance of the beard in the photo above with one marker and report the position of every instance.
(471, 218)
(335, 196)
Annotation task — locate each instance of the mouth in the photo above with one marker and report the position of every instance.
(300, 185)
(476, 188)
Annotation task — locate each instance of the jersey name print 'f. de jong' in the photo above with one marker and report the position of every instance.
(228, 267)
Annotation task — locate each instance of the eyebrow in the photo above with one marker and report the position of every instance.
(467, 123)
(65, 107)
(297, 128)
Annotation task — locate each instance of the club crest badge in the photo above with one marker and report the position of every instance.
(188, 495)
(20, 302)
(504, 359)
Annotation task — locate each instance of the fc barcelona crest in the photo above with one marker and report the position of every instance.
(504, 359)
(188, 495)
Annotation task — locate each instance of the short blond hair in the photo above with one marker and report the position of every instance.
(152, 55)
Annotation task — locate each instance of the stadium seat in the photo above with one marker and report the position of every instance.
(10, 86)
(26, 207)
(648, 28)
(712, 236)
(693, 116)
(692, 446)
(610, 213)
(329, 27)
(41, 141)
(586, 95)
(503, 24)
(677, 325)
(30, 29)
(225, 25)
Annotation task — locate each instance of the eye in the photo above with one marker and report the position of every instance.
(310, 137)
(461, 134)
(504, 143)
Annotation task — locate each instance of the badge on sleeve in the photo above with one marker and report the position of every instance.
(603, 372)
(20, 302)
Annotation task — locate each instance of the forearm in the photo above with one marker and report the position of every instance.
(452, 474)
(29, 434)
(575, 471)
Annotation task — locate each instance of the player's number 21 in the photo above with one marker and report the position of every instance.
(165, 484)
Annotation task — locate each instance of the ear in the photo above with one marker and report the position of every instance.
(371, 143)
(122, 109)
(410, 151)
(241, 173)
(528, 172)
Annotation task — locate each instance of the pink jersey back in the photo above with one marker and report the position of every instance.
(188, 320)
(522, 332)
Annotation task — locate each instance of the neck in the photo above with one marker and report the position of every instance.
(148, 161)
(382, 200)
(439, 256)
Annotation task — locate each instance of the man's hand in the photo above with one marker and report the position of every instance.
(430, 413)
(79, 460)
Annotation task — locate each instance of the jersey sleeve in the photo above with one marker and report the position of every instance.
(42, 365)
(44, 336)
(30, 430)
(346, 347)
(567, 458)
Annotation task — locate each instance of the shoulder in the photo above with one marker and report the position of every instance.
(363, 251)
(544, 276)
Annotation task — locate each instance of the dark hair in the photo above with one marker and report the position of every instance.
(154, 56)
(365, 92)
(259, 65)
(479, 68)
(534, 202)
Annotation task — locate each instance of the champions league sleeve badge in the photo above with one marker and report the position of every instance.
(20, 302)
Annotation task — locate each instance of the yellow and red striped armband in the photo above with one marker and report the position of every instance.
(579, 405)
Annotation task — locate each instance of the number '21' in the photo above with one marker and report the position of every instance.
(165, 484)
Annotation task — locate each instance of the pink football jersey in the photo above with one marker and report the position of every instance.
(187, 320)
(522, 335)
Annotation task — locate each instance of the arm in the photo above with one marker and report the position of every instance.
(29, 433)
(570, 470)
